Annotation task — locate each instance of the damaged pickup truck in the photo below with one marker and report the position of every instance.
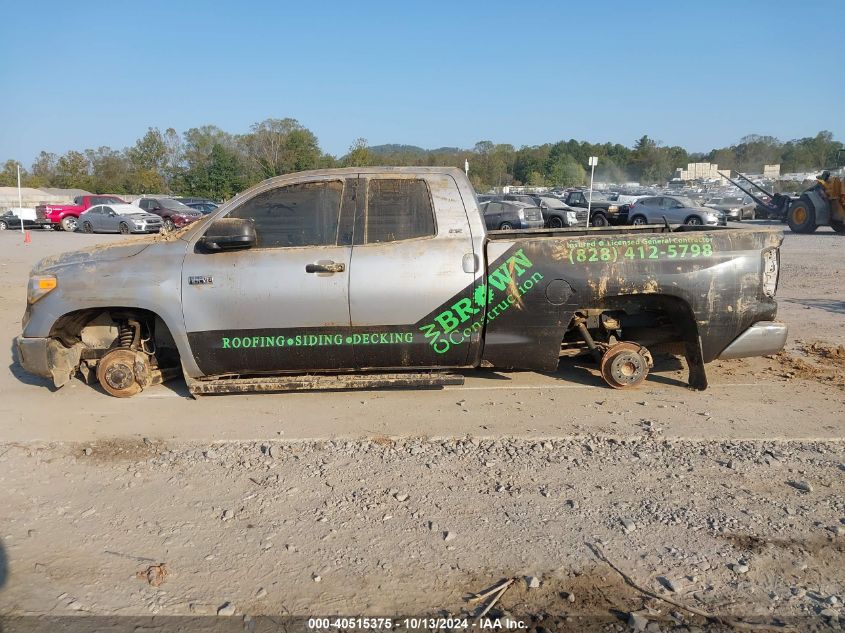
(369, 277)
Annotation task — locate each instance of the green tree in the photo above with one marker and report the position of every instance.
(9, 174)
(280, 146)
(220, 177)
(109, 170)
(149, 163)
(149, 152)
(359, 154)
(73, 171)
(43, 171)
(566, 172)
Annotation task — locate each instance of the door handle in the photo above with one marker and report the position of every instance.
(328, 267)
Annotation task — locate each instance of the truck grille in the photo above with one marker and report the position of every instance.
(41, 212)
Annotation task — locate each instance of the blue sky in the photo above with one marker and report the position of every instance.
(698, 74)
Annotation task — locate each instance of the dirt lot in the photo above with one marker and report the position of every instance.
(729, 503)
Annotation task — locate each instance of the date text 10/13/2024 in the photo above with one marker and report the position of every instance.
(414, 624)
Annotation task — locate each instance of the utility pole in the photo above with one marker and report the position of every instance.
(20, 197)
(594, 160)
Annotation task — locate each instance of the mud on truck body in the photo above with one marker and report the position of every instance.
(364, 277)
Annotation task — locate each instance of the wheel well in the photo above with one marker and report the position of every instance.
(663, 322)
(98, 328)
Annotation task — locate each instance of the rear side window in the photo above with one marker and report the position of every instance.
(303, 214)
(397, 209)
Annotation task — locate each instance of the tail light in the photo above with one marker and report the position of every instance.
(771, 266)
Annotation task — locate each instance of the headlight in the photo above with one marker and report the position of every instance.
(612, 208)
(40, 285)
(521, 214)
(571, 218)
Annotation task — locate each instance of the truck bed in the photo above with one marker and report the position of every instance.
(701, 286)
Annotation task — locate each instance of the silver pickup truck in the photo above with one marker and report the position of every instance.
(369, 277)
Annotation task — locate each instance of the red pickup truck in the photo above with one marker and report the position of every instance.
(66, 216)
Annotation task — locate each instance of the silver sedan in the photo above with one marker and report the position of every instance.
(118, 218)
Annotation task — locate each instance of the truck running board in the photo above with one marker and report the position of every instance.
(323, 382)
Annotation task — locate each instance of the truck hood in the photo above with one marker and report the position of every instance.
(103, 253)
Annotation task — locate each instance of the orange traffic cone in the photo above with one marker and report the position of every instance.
(26, 238)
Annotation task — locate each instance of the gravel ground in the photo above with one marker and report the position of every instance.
(645, 510)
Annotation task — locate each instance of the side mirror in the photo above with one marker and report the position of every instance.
(112, 213)
(228, 234)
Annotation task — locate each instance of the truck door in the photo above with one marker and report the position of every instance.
(411, 289)
(282, 305)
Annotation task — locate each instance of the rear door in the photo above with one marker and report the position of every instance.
(412, 282)
(282, 305)
(492, 215)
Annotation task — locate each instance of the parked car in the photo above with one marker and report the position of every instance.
(734, 207)
(505, 215)
(557, 214)
(12, 219)
(343, 295)
(174, 214)
(65, 217)
(602, 210)
(203, 205)
(676, 210)
(119, 218)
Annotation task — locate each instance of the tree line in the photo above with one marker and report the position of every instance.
(210, 162)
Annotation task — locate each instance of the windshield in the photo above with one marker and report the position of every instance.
(128, 210)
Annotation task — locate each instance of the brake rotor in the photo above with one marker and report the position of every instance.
(122, 372)
(625, 365)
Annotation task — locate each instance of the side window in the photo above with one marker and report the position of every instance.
(303, 214)
(93, 210)
(493, 208)
(105, 210)
(398, 209)
(144, 204)
(77, 200)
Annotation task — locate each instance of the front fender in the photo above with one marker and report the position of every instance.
(148, 280)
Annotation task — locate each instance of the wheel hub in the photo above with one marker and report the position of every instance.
(119, 375)
(627, 367)
(625, 364)
(123, 372)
